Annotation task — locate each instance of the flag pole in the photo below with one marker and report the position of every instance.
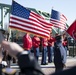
(73, 47)
(50, 16)
(53, 26)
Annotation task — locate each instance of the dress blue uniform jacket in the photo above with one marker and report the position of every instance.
(59, 53)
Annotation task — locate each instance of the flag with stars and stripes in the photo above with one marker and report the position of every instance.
(58, 19)
(26, 20)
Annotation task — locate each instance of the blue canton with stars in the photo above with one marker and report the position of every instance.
(20, 11)
(55, 15)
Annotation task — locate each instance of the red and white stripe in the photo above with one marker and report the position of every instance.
(60, 24)
(36, 24)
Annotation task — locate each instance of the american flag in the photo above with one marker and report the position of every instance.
(26, 20)
(58, 19)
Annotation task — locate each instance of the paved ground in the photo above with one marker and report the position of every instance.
(50, 68)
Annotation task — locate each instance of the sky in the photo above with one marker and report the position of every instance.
(66, 7)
